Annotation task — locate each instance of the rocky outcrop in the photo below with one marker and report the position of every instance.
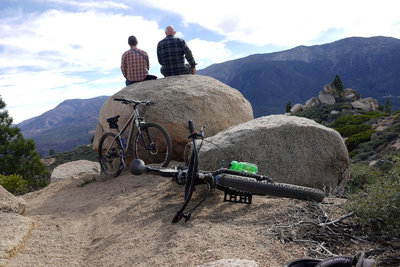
(204, 100)
(74, 169)
(15, 229)
(288, 149)
(329, 95)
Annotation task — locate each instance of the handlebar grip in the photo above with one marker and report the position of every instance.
(191, 128)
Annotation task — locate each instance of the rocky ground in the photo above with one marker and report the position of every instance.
(93, 220)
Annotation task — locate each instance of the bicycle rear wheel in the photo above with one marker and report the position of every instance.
(153, 145)
(110, 153)
(266, 188)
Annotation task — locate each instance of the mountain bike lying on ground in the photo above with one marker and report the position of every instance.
(239, 186)
(152, 142)
(359, 260)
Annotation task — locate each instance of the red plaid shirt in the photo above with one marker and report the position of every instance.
(135, 65)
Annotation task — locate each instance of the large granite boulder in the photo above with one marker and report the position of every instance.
(288, 149)
(204, 100)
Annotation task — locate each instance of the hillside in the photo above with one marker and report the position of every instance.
(269, 81)
(70, 124)
(126, 221)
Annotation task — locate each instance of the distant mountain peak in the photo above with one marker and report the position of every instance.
(368, 65)
(68, 125)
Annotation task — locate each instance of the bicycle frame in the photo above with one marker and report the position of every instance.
(134, 120)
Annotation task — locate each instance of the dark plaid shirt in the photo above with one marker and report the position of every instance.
(171, 53)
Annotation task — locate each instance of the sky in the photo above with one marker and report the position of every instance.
(53, 50)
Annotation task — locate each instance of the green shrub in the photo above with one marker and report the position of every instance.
(357, 119)
(361, 174)
(358, 138)
(350, 130)
(377, 207)
(14, 184)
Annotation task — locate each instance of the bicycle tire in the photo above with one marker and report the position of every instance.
(110, 153)
(267, 188)
(160, 152)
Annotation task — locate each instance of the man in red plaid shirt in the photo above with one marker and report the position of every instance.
(135, 64)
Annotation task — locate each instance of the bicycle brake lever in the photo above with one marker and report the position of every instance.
(202, 131)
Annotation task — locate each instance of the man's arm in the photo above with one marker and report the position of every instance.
(189, 57)
(147, 60)
(159, 54)
(123, 67)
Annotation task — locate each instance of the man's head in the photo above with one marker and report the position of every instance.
(132, 41)
(170, 30)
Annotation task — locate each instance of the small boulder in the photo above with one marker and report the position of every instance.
(230, 263)
(312, 102)
(202, 99)
(11, 203)
(326, 98)
(351, 95)
(296, 108)
(330, 89)
(366, 104)
(288, 149)
(74, 169)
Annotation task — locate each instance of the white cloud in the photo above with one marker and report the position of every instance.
(78, 41)
(89, 4)
(287, 22)
(207, 53)
(42, 55)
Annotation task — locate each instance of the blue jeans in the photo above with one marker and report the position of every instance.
(148, 77)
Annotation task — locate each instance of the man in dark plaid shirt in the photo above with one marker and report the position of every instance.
(171, 53)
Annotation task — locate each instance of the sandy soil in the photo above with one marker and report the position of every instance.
(126, 221)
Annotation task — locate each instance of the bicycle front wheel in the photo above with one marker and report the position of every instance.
(153, 145)
(110, 153)
(266, 188)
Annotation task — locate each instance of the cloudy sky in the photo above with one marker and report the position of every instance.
(52, 50)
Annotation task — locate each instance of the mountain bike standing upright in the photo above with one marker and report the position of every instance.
(152, 143)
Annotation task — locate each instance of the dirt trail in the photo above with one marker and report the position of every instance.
(126, 221)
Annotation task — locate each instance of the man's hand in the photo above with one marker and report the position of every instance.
(194, 70)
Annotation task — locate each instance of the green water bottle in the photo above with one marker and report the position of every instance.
(243, 167)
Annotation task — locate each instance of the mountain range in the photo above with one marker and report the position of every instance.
(68, 125)
(371, 66)
(269, 81)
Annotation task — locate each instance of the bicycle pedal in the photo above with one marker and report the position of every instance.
(237, 196)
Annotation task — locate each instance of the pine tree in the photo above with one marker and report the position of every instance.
(288, 106)
(337, 83)
(388, 106)
(18, 155)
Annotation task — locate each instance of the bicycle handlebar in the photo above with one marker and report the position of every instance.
(136, 102)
